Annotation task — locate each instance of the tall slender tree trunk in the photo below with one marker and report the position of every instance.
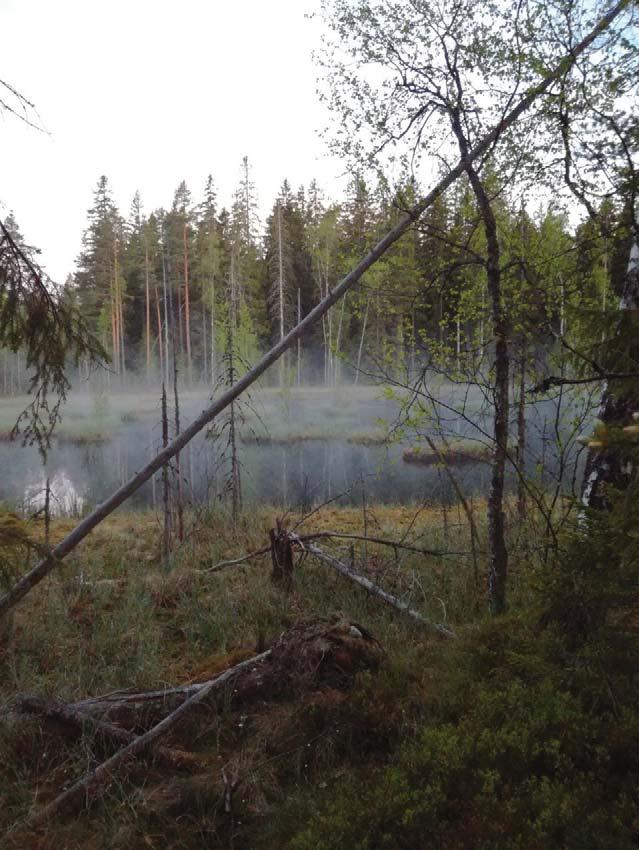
(337, 375)
(119, 309)
(521, 435)
(236, 493)
(166, 494)
(213, 335)
(166, 320)
(160, 344)
(178, 466)
(498, 573)
(176, 400)
(148, 312)
(187, 308)
(299, 341)
(611, 466)
(498, 569)
(280, 283)
(205, 347)
(115, 335)
(361, 342)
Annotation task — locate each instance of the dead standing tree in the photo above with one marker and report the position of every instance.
(487, 143)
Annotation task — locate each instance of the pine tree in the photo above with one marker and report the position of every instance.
(209, 259)
(99, 278)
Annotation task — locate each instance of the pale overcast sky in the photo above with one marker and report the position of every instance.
(151, 92)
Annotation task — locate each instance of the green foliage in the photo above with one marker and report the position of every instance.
(46, 325)
(528, 739)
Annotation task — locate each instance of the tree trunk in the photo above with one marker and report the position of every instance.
(609, 465)
(280, 284)
(213, 335)
(375, 590)
(205, 347)
(299, 341)
(187, 309)
(148, 313)
(166, 495)
(361, 342)
(160, 346)
(498, 571)
(521, 435)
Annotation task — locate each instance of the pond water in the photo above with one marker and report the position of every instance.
(298, 449)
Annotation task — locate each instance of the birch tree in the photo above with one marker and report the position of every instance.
(422, 81)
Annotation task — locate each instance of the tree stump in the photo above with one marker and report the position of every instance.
(281, 557)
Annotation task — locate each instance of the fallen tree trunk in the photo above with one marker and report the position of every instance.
(375, 590)
(166, 698)
(47, 564)
(94, 782)
(78, 721)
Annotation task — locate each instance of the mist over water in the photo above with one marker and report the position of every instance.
(298, 447)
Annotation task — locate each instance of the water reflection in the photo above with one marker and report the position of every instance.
(296, 474)
(63, 496)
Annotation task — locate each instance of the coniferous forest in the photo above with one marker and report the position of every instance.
(149, 283)
(318, 512)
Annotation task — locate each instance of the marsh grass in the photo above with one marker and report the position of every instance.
(455, 452)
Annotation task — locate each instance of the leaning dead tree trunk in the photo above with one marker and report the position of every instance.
(375, 590)
(68, 543)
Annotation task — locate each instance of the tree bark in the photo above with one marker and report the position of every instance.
(187, 308)
(148, 313)
(498, 571)
(609, 465)
(521, 435)
(375, 590)
(78, 721)
(166, 495)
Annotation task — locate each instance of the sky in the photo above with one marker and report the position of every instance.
(150, 93)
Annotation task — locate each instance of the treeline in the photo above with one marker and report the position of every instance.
(172, 289)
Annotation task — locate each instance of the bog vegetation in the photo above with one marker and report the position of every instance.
(441, 673)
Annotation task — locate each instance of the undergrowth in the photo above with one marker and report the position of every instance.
(521, 733)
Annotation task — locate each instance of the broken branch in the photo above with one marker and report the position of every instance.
(235, 561)
(375, 590)
(317, 535)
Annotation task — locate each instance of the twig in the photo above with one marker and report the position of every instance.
(219, 566)
(556, 381)
(320, 507)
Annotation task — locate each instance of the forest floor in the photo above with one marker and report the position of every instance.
(285, 764)
(112, 617)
